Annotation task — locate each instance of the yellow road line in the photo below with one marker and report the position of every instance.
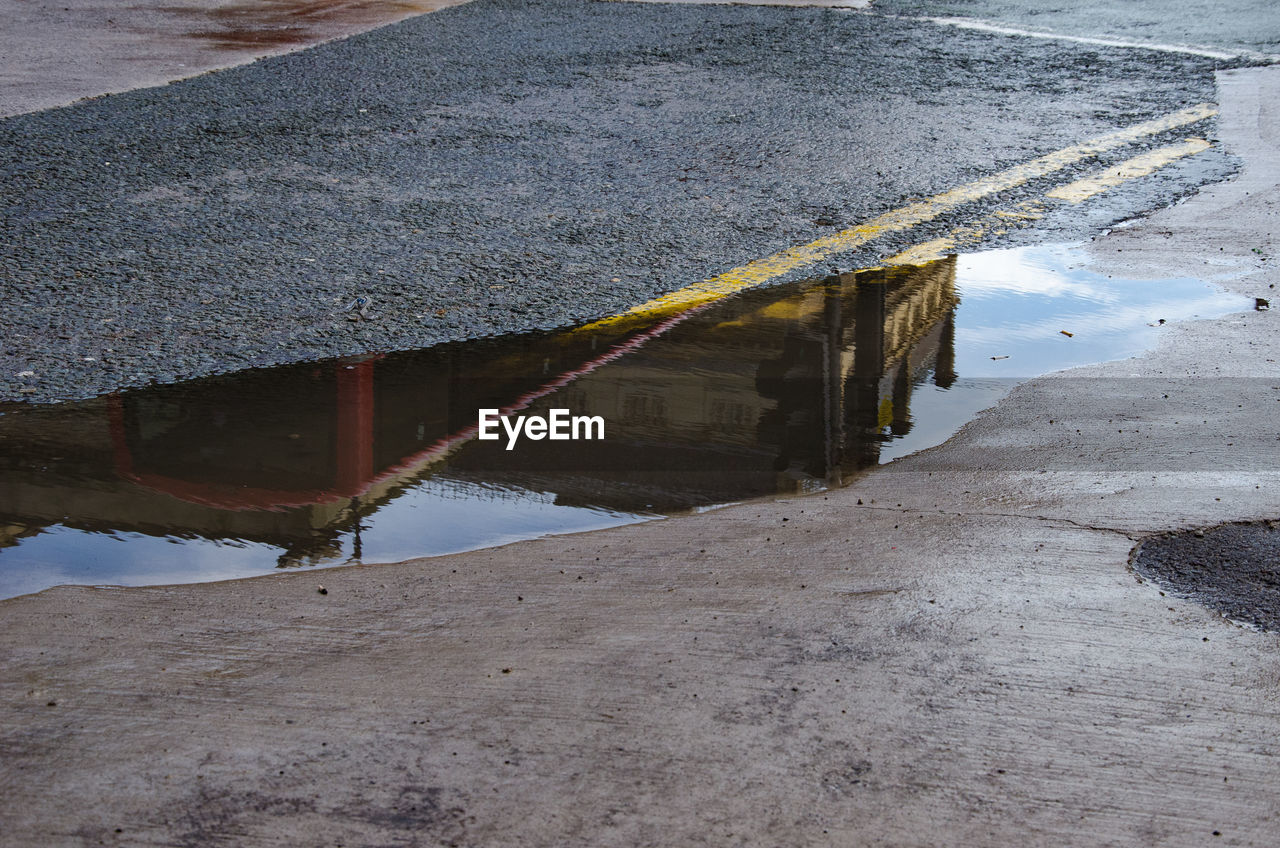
(763, 270)
(1138, 166)
(1028, 211)
(971, 233)
(926, 251)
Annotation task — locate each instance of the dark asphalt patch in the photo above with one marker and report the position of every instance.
(1233, 569)
(502, 166)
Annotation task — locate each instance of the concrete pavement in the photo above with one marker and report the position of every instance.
(952, 651)
(59, 52)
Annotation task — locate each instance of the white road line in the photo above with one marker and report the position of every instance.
(1001, 29)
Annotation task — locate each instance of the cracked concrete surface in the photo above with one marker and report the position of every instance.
(951, 651)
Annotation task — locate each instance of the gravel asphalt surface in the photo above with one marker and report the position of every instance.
(1220, 25)
(1231, 569)
(505, 166)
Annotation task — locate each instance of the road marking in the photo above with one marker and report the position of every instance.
(821, 4)
(994, 223)
(1023, 214)
(998, 221)
(1138, 166)
(925, 251)
(1186, 49)
(770, 268)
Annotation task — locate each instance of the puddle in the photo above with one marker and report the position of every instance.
(788, 389)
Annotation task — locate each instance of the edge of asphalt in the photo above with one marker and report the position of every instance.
(971, 605)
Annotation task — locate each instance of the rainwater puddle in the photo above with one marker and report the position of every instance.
(782, 390)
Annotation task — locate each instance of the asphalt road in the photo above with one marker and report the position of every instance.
(1244, 26)
(506, 166)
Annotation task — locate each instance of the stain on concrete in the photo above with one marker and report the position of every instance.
(277, 23)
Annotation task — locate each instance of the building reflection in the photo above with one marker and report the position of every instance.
(784, 389)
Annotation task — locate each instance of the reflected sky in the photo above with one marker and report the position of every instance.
(784, 390)
(1016, 303)
(437, 517)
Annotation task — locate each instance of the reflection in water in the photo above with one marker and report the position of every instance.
(786, 389)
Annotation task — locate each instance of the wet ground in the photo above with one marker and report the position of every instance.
(782, 390)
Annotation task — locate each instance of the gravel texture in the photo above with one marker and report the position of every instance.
(1219, 25)
(1234, 569)
(506, 166)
